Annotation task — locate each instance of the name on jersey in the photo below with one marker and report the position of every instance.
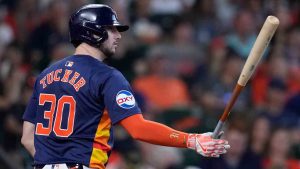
(58, 75)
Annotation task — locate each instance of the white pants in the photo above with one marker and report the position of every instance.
(59, 166)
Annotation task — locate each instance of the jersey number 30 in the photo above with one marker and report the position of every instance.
(55, 124)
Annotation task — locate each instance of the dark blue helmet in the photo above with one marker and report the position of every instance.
(88, 24)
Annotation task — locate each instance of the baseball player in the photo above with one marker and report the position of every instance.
(77, 100)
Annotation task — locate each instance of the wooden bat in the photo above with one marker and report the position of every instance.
(265, 35)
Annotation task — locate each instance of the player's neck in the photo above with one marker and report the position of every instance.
(85, 49)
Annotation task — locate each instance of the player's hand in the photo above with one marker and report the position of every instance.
(205, 145)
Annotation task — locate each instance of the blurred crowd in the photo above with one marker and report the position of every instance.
(183, 59)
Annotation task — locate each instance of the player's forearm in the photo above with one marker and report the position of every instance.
(28, 137)
(29, 145)
(153, 132)
(30, 148)
(160, 134)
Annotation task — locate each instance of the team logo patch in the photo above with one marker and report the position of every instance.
(69, 64)
(125, 99)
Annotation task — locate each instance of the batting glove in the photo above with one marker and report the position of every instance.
(205, 145)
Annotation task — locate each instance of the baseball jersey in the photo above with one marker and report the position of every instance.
(74, 105)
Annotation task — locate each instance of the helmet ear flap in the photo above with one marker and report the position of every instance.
(96, 37)
(103, 35)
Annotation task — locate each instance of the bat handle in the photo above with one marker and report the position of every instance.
(237, 90)
(218, 129)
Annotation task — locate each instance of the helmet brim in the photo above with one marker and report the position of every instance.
(122, 28)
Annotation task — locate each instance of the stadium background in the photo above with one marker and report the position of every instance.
(183, 58)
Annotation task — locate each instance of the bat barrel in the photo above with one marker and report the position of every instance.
(262, 41)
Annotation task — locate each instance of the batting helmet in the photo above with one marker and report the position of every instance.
(87, 24)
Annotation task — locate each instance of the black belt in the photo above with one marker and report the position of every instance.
(69, 165)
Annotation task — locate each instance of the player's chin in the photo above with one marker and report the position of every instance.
(112, 51)
(109, 53)
(114, 48)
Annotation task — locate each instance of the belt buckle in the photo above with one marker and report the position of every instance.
(74, 166)
(38, 166)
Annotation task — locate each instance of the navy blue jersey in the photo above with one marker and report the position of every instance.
(74, 105)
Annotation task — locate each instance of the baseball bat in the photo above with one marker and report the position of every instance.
(265, 35)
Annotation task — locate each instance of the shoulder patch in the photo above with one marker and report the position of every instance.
(125, 99)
